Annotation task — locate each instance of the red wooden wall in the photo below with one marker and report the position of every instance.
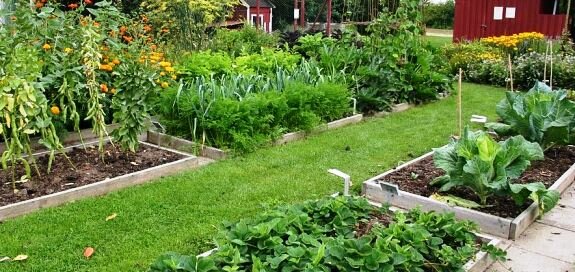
(474, 19)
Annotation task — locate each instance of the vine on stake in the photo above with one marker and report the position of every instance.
(91, 58)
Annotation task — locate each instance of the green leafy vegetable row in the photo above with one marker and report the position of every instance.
(338, 234)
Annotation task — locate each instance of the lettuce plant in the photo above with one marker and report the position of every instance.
(487, 167)
(540, 115)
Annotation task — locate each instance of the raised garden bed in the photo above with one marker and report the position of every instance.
(407, 186)
(218, 154)
(351, 234)
(92, 177)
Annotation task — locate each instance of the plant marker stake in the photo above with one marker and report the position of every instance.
(551, 63)
(354, 105)
(510, 71)
(545, 66)
(459, 114)
(346, 180)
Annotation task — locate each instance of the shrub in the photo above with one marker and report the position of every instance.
(529, 69)
(248, 40)
(439, 15)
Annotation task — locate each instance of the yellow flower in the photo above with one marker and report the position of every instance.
(68, 50)
(165, 64)
(165, 85)
(162, 74)
(169, 69)
(174, 77)
(46, 46)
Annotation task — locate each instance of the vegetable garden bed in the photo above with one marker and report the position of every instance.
(343, 234)
(214, 153)
(408, 186)
(89, 176)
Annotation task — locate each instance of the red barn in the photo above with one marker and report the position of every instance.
(247, 11)
(476, 19)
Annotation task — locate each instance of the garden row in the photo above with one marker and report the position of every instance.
(90, 65)
(502, 182)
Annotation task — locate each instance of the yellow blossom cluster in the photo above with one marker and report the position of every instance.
(158, 59)
(108, 65)
(513, 41)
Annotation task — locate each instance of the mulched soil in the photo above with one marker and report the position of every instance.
(416, 178)
(89, 168)
(364, 227)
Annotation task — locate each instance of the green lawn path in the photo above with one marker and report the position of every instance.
(180, 213)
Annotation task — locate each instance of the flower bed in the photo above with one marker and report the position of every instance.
(341, 234)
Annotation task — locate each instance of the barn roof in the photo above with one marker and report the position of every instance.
(263, 3)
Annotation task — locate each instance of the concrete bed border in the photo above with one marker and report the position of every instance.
(491, 224)
(174, 142)
(102, 187)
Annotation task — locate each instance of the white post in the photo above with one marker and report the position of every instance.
(346, 180)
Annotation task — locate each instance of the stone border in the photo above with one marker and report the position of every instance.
(101, 187)
(498, 226)
(173, 142)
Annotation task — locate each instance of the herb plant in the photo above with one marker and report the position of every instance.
(338, 234)
(487, 167)
(540, 115)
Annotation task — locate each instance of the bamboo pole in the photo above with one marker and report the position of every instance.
(567, 15)
(510, 71)
(459, 106)
(545, 66)
(551, 64)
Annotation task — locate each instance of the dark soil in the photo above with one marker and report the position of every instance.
(416, 178)
(364, 227)
(89, 168)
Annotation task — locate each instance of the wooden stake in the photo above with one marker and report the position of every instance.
(551, 65)
(459, 110)
(545, 67)
(510, 71)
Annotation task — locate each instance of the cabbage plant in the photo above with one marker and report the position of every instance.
(488, 167)
(540, 115)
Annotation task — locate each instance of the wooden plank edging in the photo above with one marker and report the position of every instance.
(99, 188)
(502, 227)
(162, 139)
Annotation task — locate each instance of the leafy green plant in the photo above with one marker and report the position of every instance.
(540, 115)
(487, 167)
(323, 235)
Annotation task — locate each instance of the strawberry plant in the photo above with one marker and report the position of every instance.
(487, 167)
(338, 234)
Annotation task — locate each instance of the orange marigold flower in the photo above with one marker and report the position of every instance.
(55, 110)
(104, 88)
